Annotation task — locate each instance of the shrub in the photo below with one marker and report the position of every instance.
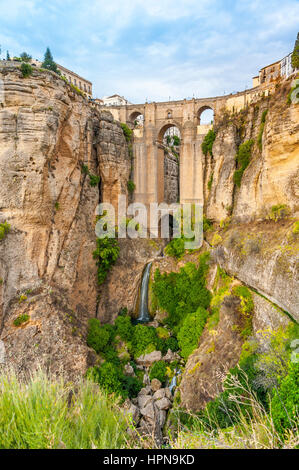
(45, 412)
(26, 70)
(295, 228)
(243, 159)
(217, 239)
(144, 340)
(98, 336)
(172, 344)
(105, 255)
(191, 330)
(247, 307)
(183, 292)
(279, 212)
(207, 224)
(4, 230)
(285, 401)
(131, 186)
(25, 57)
(176, 248)
(127, 132)
(208, 142)
(158, 371)
(21, 320)
(162, 333)
(124, 327)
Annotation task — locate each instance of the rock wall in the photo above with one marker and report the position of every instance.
(47, 131)
(272, 176)
(171, 179)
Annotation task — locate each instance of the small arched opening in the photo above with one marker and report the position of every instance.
(205, 116)
(136, 119)
(166, 226)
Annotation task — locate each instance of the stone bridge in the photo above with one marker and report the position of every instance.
(148, 148)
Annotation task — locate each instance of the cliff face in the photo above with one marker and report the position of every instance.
(46, 264)
(272, 176)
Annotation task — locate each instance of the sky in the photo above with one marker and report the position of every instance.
(154, 50)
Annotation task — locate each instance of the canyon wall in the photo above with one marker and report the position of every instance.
(47, 271)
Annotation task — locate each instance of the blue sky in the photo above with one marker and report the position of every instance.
(154, 49)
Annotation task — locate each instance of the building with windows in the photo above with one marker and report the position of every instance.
(281, 68)
(80, 82)
(115, 100)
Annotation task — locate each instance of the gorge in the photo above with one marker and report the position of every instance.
(60, 156)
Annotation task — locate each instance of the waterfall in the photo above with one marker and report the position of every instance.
(144, 316)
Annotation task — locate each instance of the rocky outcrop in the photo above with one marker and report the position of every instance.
(263, 256)
(272, 176)
(47, 270)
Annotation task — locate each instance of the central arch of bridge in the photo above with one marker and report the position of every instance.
(149, 122)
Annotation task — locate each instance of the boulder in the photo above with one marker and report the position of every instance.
(171, 356)
(155, 385)
(163, 404)
(148, 412)
(129, 371)
(147, 360)
(159, 394)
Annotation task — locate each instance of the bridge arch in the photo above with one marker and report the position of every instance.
(136, 116)
(205, 115)
(165, 127)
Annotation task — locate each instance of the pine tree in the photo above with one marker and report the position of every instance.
(25, 57)
(295, 56)
(48, 62)
(7, 55)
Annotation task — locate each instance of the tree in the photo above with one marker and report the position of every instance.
(295, 56)
(7, 55)
(25, 57)
(48, 62)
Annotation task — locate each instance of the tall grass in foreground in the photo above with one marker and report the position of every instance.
(253, 430)
(44, 413)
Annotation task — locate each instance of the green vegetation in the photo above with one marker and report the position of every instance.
(210, 182)
(279, 212)
(290, 95)
(26, 70)
(25, 57)
(144, 340)
(208, 142)
(127, 132)
(262, 127)
(191, 330)
(243, 159)
(184, 292)
(49, 413)
(4, 230)
(49, 63)
(106, 256)
(94, 180)
(259, 405)
(295, 55)
(158, 371)
(176, 248)
(246, 307)
(21, 319)
(295, 228)
(131, 186)
(76, 89)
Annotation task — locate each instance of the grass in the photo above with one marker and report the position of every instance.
(48, 413)
(253, 430)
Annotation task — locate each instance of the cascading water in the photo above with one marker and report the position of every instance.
(144, 316)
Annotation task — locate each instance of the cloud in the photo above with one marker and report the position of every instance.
(158, 48)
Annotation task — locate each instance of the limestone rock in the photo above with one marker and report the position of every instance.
(155, 385)
(159, 394)
(163, 404)
(148, 411)
(129, 371)
(171, 356)
(148, 359)
(144, 400)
